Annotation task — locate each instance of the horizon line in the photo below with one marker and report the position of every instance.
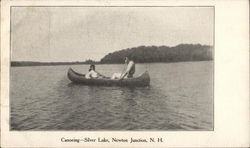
(112, 52)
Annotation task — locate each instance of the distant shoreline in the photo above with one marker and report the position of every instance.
(32, 63)
(24, 64)
(141, 54)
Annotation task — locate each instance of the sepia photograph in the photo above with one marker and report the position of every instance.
(111, 68)
(124, 73)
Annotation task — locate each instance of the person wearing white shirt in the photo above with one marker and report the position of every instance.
(92, 74)
(129, 71)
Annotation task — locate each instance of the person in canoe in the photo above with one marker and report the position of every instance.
(93, 74)
(129, 70)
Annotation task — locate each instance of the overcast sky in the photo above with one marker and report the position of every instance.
(80, 33)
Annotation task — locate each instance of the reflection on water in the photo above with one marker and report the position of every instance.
(179, 98)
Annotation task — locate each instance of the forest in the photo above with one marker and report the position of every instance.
(142, 54)
(151, 54)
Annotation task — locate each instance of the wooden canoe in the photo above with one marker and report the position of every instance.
(142, 80)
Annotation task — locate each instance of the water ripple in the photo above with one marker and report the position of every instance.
(179, 98)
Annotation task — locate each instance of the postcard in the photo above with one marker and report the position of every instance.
(125, 73)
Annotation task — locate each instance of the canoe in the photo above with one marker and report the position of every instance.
(142, 80)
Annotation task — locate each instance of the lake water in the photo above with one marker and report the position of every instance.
(180, 97)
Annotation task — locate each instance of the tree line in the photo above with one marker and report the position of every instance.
(142, 54)
(32, 63)
(150, 54)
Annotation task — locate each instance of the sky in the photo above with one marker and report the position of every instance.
(65, 34)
